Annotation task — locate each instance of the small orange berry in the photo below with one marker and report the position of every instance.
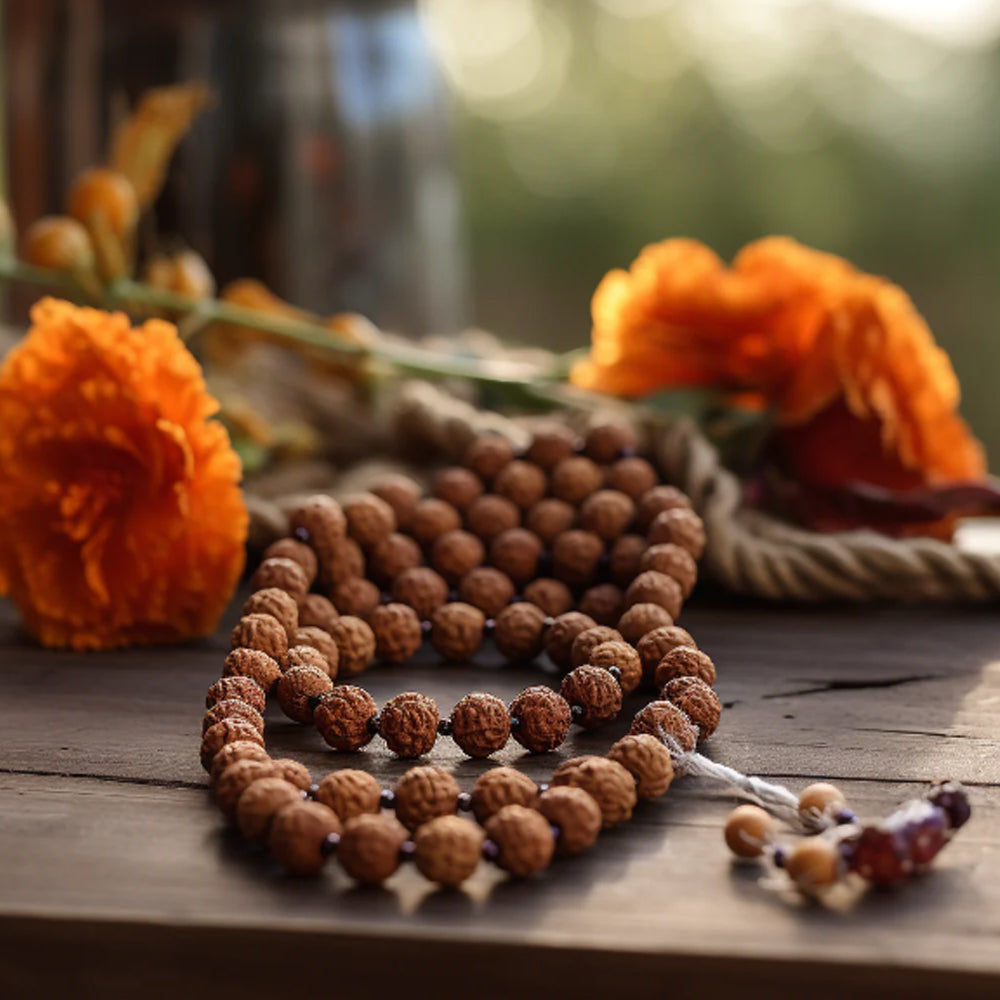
(105, 192)
(58, 242)
(748, 830)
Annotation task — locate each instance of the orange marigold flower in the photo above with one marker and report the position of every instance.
(121, 519)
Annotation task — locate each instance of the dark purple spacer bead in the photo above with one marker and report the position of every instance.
(444, 727)
(844, 816)
(313, 702)
(556, 831)
(577, 712)
(387, 798)
(603, 564)
(406, 850)
(549, 621)
(490, 850)
(302, 534)
(490, 627)
(313, 789)
(515, 723)
(385, 597)
(616, 673)
(779, 856)
(545, 564)
(375, 723)
(425, 626)
(517, 599)
(543, 787)
(464, 801)
(330, 843)
(627, 452)
(453, 596)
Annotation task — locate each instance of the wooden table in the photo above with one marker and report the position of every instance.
(117, 877)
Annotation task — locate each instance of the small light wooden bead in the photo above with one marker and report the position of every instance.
(487, 455)
(457, 631)
(697, 701)
(393, 555)
(422, 589)
(398, 634)
(320, 522)
(624, 557)
(343, 717)
(350, 793)
(657, 500)
(679, 527)
(622, 656)
(575, 478)
(516, 552)
(813, 863)
(523, 483)
(632, 475)
(549, 518)
(551, 445)
(369, 847)
(296, 686)
(457, 486)
(309, 656)
(663, 719)
(675, 562)
(278, 604)
(409, 723)
(369, 519)
(297, 835)
(433, 517)
(543, 719)
(519, 631)
(317, 611)
(254, 664)
(355, 644)
(292, 548)
(490, 515)
(486, 588)
(604, 603)
(749, 829)
(648, 761)
(641, 619)
(323, 643)
(423, 793)
(576, 815)
(562, 633)
(345, 562)
(402, 494)
(480, 724)
(552, 596)
(447, 849)
(820, 799)
(524, 840)
(499, 787)
(654, 645)
(221, 733)
(456, 553)
(281, 574)
(232, 708)
(607, 513)
(234, 780)
(260, 802)
(594, 693)
(652, 587)
(356, 597)
(576, 555)
(606, 781)
(608, 442)
(685, 661)
(588, 640)
(264, 633)
(242, 688)
(233, 752)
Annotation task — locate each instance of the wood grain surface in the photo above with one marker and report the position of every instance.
(117, 877)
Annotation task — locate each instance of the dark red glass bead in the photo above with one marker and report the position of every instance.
(925, 835)
(951, 797)
(880, 855)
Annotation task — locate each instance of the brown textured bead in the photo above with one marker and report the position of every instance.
(550, 445)
(343, 716)
(344, 562)
(355, 644)
(260, 802)
(317, 611)
(594, 691)
(312, 637)
(297, 835)
(422, 589)
(604, 603)
(455, 553)
(397, 632)
(350, 793)
(575, 478)
(516, 552)
(264, 633)
(293, 772)
(292, 548)
(552, 596)
(457, 486)
(588, 640)
(647, 760)
(278, 604)
(447, 849)
(499, 787)
(487, 455)
(575, 557)
(226, 731)
(490, 515)
(296, 686)
(652, 587)
(657, 500)
(654, 645)
(543, 719)
(575, 814)
(633, 476)
(409, 724)
(244, 688)
(684, 661)
(622, 656)
(523, 483)
(624, 557)
(423, 793)
(486, 588)
(675, 562)
(281, 574)
(232, 708)
(524, 839)
(254, 664)
(235, 751)
(664, 719)
(433, 517)
(322, 521)
(607, 513)
(402, 494)
(549, 518)
(457, 631)
(519, 631)
(639, 619)
(697, 701)
(393, 555)
(480, 724)
(235, 779)
(608, 442)
(561, 634)
(369, 847)
(309, 656)
(610, 785)
(679, 527)
(356, 597)
(369, 519)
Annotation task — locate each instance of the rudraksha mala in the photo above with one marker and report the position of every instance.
(574, 550)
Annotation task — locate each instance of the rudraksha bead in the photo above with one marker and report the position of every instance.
(260, 802)
(433, 517)
(232, 708)
(356, 597)
(604, 603)
(588, 640)
(343, 716)
(543, 719)
(344, 562)
(607, 513)
(675, 562)
(422, 589)
(457, 485)
(278, 604)
(575, 814)
(679, 527)
(312, 637)
(632, 475)
(226, 731)
(281, 574)
(611, 785)
(657, 500)
(423, 793)
(552, 596)
(594, 696)
(457, 631)
(293, 772)
(523, 483)
(519, 631)
(369, 519)
(254, 664)
(235, 779)
(549, 518)
(264, 633)
(664, 720)
(684, 661)
(409, 724)
(447, 849)
(561, 634)
(622, 657)
(486, 588)
(647, 760)
(487, 455)
(292, 548)
(697, 701)
(369, 845)
(640, 619)
(393, 555)
(309, 656)
(455, 553)
(398, 634)
(575, 557)
(524, 840)
(608, 442)
(656, 588)
(480, 724)
(244, 688)
(654, 645)
(320, 522)
(297, 835)
(297, 686)
(490, 515)
(499, 787)
(236, 751)
(349, 792)
(624, 557)
(516, 552)
(355, 644)
(575, 478)
(550, 445)
(402, 494)
(317, 611)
